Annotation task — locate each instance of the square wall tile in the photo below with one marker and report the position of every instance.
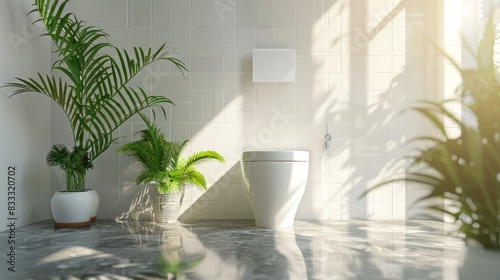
(382, 210)
(205, 41)
(266, 38)
(285, 13)
(116, 12)
(304, 14)
(207, 209)
(246, 41)
(208, 13)
(304, 41)
(161, 36)
(203, 64)
(196, 112)
(335, 211)
(90, 10)
(106, 191)
(399, 211)
(352, 193)
(180, 37)
(247, 13)
(231, 210)
(181, 113)
(285, 38)
(141, 14)
(305, 210)
(161, 13)
(106, 170)
(180, 131)
(357, 211)
(399, 191)
(266, 13)
(244, 210)
(142, 38)
(225, 136)
(181, 13)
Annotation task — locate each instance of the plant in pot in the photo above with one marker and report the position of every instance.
(90, 84)
(164, 166)
(464, 170)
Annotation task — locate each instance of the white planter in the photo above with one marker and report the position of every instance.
(95, 204)
(170, 205)
(480, 264)
(71, 209)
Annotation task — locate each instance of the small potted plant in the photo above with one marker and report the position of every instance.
(464, 170)
(164, 166)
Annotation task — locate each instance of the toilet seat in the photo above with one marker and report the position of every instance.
(283, 155)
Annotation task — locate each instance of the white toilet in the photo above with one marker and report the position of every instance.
(274, 182)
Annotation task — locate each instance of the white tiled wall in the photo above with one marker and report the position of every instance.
(24, 119)
(358, 64)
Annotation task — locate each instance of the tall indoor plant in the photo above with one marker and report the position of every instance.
(464, 171)
(164, 165)
(89, 81)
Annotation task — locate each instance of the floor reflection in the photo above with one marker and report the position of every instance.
(237, 250)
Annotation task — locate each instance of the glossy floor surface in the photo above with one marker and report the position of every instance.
(236, 250)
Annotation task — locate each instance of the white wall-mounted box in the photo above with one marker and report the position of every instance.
(273, 65)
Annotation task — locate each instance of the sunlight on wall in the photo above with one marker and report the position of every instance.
(454, 13)
(363, 96)
(358, 64)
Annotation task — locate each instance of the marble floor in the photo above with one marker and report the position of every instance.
(236, 250)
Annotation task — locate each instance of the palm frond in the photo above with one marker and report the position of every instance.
(200, 157)
(58, 155)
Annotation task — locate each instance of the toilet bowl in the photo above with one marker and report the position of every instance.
(274, 182)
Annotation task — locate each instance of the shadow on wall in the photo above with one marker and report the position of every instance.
(227, 187)
(385, 66)
(213, 200)
(372, 132)
(142, 207)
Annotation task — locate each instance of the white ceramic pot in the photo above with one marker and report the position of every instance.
(71, 209)
(95, 204)
(480, 264)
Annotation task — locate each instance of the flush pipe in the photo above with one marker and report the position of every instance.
(327, 137)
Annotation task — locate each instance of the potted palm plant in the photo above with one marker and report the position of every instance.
(464, 170)
(164, 166)
(90, 83)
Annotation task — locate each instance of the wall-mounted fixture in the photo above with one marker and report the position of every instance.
(273, 65)
(327, 137)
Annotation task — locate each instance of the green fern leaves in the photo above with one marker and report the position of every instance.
(162, 161)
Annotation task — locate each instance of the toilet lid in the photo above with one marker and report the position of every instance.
(283, 155)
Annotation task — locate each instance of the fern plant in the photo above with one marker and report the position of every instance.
(163, 163)
(465, 170)
(91, 85)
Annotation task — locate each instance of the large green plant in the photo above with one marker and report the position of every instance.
(162, 161)
(465, 170)
(91, 85)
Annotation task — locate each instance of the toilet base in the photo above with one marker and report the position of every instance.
(274, 224)
(274, 199)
